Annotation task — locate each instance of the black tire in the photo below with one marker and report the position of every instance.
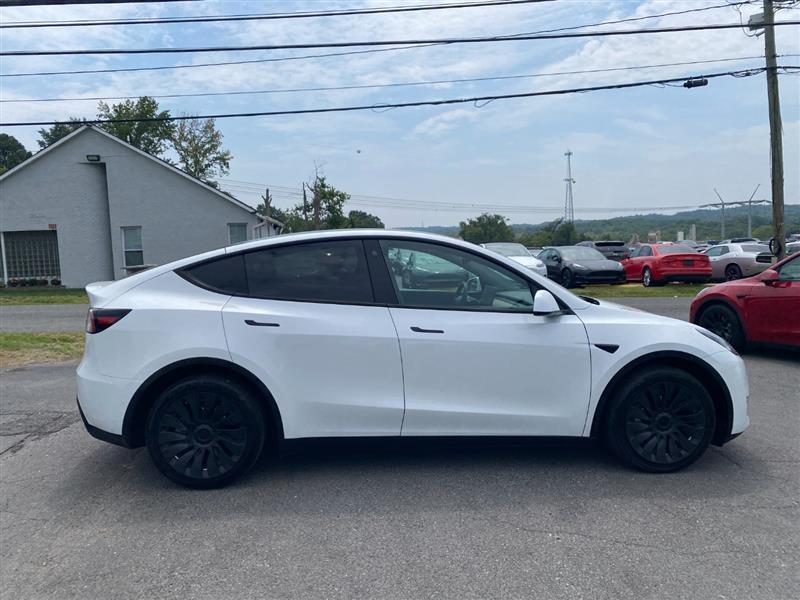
(567, 279)
(205, 431)
(647, 278)
(723, 321)
(733, 272)
(660, 420)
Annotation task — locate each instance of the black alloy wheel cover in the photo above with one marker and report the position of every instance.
(719, 320)
(733, 272)
(665, 422)
(202, 435)
(566, 278)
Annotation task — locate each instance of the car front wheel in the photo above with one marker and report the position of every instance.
(660, 420)
(647, 277)
(721, 320)
(567, 280)
(205, 431)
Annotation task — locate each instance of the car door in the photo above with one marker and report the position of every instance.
(718, 256)
(477, 361)
(633, 265)
(308, 326)
(773, 309)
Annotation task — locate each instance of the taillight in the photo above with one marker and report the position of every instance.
(100, 319)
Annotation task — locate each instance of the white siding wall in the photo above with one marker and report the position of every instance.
(178, 216)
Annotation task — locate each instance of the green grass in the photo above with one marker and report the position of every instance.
(24, 348)
(18, 296)
(637, 290)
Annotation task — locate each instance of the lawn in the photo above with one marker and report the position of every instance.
(25, 348)
(17, 296)
(637, 290)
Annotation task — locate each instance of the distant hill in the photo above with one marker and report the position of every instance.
(623, 228)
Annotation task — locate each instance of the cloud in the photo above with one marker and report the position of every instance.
(439, 124)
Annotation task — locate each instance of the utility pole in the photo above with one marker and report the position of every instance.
(775, 131)
(305, 204)
(722, 204)
(569, 210)
(267, 204)
(316, 203)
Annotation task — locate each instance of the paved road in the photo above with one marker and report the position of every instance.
(82, 519)
(43, 317)
(71, 317)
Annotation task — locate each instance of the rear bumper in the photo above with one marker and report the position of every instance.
(685, 277)
(103, 402)
(105, 436)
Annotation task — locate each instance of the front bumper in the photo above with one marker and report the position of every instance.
(732, 369)
(589, 277)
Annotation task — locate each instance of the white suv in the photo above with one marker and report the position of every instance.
(208, 360)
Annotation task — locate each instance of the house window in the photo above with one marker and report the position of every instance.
(237, 232)
(132, 246)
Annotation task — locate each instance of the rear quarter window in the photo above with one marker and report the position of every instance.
(225, 275)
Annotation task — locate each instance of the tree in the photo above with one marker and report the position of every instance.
(12, 152)
(198, 145)
(486, 228)
(565, 234)
(58, 131)
(364, 220)
(150, 136)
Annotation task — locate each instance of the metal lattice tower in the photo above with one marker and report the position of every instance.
(569, 210)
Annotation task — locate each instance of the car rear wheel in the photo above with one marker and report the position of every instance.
(733, 272)
(205, 431)
(661, 419)
(721, 320)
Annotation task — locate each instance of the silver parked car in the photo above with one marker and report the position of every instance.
(734, 261)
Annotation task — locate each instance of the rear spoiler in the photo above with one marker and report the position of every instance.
(98, 293)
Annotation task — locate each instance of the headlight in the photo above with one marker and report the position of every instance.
(577, 266)
(721, 341)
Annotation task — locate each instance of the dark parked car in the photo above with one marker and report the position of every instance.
(614, 250)
(578, 265)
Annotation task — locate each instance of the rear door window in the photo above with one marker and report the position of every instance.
(326, 271)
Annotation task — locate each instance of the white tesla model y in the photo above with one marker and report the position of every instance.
(208, 360)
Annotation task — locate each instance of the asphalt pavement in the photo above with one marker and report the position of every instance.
(83, 519)
(43, 318)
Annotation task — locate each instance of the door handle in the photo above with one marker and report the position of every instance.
(260, 323)
(421, 330)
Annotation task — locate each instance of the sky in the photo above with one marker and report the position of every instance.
(634, 150)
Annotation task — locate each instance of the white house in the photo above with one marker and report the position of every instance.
(91, 207)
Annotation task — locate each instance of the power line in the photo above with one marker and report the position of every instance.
(263, 17)
(384, 85)
(349, 53)
(386, 106)
(352, 44)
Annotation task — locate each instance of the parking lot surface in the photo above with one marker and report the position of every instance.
(83, 519)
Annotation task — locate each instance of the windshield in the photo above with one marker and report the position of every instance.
(580, 253)
(755, 248)
(675, 250)
(509, 249)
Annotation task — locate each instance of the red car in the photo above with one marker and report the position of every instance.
(764, 308)
(657, 264)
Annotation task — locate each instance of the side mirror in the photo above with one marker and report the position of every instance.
(769, 277)
(544, 303)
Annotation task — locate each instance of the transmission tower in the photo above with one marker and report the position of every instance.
(569, 211)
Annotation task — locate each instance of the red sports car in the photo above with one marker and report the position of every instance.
(764, 308)
(657, 264)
